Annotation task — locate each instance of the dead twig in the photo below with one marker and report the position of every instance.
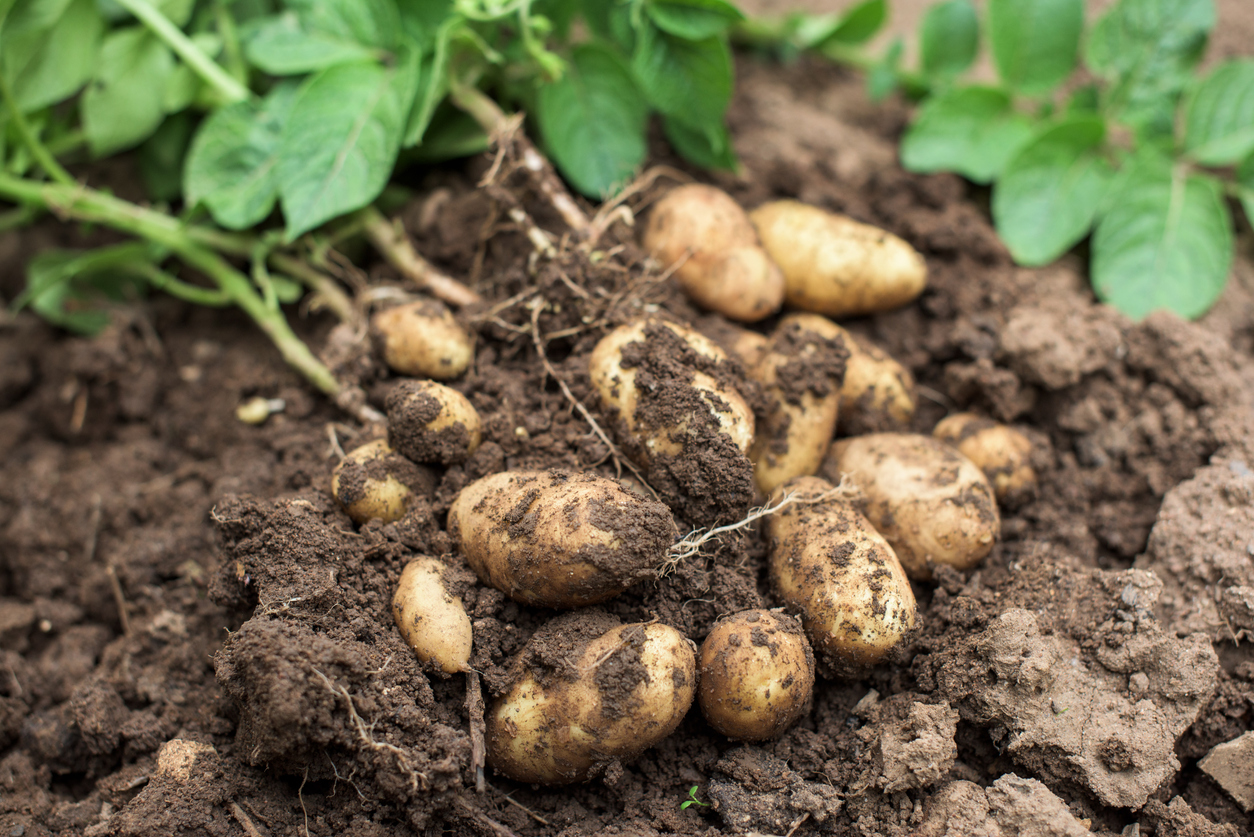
(246, 822)
(525, 809)
(111, 571)
(474, 706)
(392, 242)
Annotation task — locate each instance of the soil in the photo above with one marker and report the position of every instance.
(197, 640)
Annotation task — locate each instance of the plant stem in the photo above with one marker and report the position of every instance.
(37, 150)
(395, 246)
(324, 286)
(193, 56)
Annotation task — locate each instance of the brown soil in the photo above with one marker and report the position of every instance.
(196, 640)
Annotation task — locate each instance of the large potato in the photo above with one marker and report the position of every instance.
(432, 621)
(928, 500)
(1001, 452)
(558, 539)
(429, 422)
(828, 562)
(424, 340)
(375, 482)
(718, 259)
(836, 266)
(580, 700)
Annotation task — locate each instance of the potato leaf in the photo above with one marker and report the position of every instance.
(73, 290)
(371, 23)
(973, 131)
(884, 77)
(689, 79)
(1245, 187)
(433, 82)
(1219, 118)
(693, 20)
(949, 38)
(708, 146)
(47, 66)
(123, 104)
(1035, 42)
(281, 46)
(161, 157)
(856, 26)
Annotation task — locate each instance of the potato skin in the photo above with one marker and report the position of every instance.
(375, 482)
(836, 266)
(829, 563)
(557, 538)
(756, 675)
(878, 393)
(432, 621)
(1001, 452)
(429, 422)
(931, 503)
(721, 263)
(616, 695)
(423, 339)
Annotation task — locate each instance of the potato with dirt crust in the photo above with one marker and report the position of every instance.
(679, 413)
(373, 482)
(834, 265)
(1001, 452)
(827, 561)
(928, 500)
(756, 675)
(558, 538)
(707, 238)
(429, 422)
(432, 621)
(423, 339)
(587, 692)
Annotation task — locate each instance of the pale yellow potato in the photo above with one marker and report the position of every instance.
(423, 339)
(931, 503)
(429, 422)
(878, 393)
(375, 482)
(828, 562)
(558, 538)
(432, 621)
(756, 675)
(706, 237)
(1001, 452)
(561, 728)
(836, 266)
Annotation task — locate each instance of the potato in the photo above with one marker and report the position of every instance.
(756, 675)
(931, 503)
(1002, 453)
(433, 622)
(877, 394)
(836, 266)
(679, 413)
(558, 539)
(429, 422)
(584, 701)
(801, 372)
(738, 342)
(424, 340)
(829, 563)
(720, 262)
(375, 482)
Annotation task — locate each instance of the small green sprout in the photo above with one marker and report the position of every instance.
(692, 800)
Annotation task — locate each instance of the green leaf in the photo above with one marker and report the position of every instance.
(47, 66)
(161, 157)
(32, 16)
(949, 38)
(371, 23)
(66, 289)
(1245, 185)
(1219, 118)
(422, 22)
(689, 79)
(693, 20)
(433, 77)
(593, 121)
(708, 146)
(339, 144)
(1035, 42)
(184, 85)
(1164, 242)
(855, 26)
(1047, 196)
(281, 46)
(233, 160)
(885, 76)
(973, 131)
(453, 134)
(123, 104)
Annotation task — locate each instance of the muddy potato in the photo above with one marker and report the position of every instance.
(836, 266)
(756, 675)
(424, 340)
(1001, 452)
(429, 422)
(743, 344)
(877, 394)
(720, 262)
(931, 503)
(558, 538)
(579, 701)
(433, 622)
(375, 482)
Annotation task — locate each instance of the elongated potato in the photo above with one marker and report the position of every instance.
(718, 260)
(557, 538)
(375, 482)
(756, 675)
(931, 503)
(829, 563)
(433, 622)
(423, 339)
(1002, 453)
(679, 414)
(429, 422)
(578, 702)
(836, 266)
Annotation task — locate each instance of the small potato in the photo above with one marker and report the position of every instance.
(558, 539)
(592, 700)
(1001, 452)
(429, 422)
(433, 622)
(375, 482)
(828, 562)
(423, 339)
(721, 263)
(836, 266)
(877, 394)
(931, 503)
(756, 675)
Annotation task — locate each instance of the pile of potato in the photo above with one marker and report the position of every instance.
(804, 416)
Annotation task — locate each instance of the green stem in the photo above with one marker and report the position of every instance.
(202, 65)
(37, 150)
(230, 42)
(163, 281)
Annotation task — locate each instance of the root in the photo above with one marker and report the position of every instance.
(391, 241)
(474, 706)
(245, 821)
